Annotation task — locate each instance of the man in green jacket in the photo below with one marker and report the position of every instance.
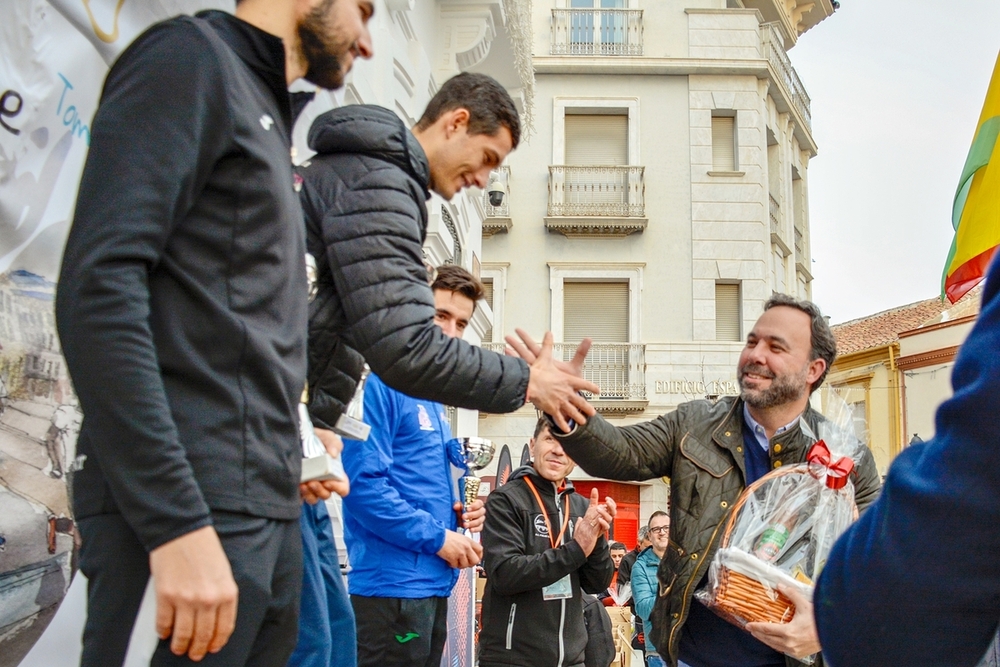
(711, 451)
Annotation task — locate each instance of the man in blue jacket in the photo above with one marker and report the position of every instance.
(916, 580)
(400, 518)
(644, 583)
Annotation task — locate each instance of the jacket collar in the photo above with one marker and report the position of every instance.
(729, 434)
(263, 52)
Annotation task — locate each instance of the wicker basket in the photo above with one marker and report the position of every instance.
(742, 599)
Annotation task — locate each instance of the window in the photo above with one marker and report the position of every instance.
(596, 139)
(596, 310)
(727, 312)
(488, 298)
(724, 141)
(610, 25)
(563, 275)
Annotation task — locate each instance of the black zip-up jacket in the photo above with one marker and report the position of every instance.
(363, 196)
(182, 299)
(519, 626)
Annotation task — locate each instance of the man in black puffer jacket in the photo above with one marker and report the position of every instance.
(364, 198)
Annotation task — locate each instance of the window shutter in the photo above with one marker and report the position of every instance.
(488, 298)
(723, 143)
(727, 312)
(595, 310)
(596, 140)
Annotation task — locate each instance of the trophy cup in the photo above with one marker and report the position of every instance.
(476, 454)
(317, 464)
(351, 424)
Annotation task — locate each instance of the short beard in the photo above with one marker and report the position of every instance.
(784, 389)
(322, 48)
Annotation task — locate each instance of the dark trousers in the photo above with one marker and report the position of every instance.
(266, 559)
(327, 637)
(400, 632)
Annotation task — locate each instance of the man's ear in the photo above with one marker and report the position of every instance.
(457, 119)
(815, 369)
(531, 449)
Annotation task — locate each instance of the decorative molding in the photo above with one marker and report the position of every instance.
(941, 356)
(614, 408)
(595, 227)
(727, 173)
(493, 226)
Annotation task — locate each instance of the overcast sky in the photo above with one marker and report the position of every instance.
(897, 87)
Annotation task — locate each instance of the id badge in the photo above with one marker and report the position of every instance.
(561, 590)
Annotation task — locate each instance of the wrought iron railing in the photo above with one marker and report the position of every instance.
(501, 174)
(597, 191)
(619, 369)
(773, 49)
(775, 213)
(597, 32)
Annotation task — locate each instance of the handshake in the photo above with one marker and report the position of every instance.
(554, 386)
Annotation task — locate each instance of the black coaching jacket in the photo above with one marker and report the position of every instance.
(181, 304)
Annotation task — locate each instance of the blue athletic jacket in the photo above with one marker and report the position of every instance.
(401, 498)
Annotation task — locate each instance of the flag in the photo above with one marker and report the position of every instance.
(976, 211)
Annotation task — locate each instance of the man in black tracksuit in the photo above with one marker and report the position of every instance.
(542, 545)
(182, 312)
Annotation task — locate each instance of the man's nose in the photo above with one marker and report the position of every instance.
(482, 177)
(364, 47)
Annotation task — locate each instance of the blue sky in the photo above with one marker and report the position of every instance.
(897, 88)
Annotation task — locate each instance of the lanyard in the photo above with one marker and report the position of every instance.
(545, 515)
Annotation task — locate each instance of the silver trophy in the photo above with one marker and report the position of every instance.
(351, 424)
(317, 464)
(476, 454)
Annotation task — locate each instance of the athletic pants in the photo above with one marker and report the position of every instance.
(266, 559)
(400, 632)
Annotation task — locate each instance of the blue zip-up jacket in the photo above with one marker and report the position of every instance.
(401, 498)
(644, 586)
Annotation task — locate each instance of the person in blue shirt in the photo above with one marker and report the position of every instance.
(644, 585)
(400, 519)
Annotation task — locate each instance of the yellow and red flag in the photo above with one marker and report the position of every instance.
(975, 213)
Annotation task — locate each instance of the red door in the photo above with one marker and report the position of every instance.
(625, 527)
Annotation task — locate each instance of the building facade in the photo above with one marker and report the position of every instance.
(661, 201)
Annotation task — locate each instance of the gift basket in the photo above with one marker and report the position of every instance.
(781, 529)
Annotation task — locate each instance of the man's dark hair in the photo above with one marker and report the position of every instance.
(617, 545)
(488, 103)
(824, 346)
(542, 423)
(456, 279)
(654, 515)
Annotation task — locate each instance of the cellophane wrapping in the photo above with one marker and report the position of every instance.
(786, 524)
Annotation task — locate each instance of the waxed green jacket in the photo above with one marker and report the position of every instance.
(699, 447)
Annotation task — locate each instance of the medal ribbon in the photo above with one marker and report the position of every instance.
(545, 515)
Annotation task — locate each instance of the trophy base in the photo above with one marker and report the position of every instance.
(322, 467)
(349, 427)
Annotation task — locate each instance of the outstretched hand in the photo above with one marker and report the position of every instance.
(554, 386)
(524, 346)
(797, 638)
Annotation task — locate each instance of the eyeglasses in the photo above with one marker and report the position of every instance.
(660, 530)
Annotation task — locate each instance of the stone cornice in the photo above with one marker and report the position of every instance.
(595, 227)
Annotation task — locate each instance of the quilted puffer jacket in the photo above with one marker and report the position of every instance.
(699, 446)
(363, 196)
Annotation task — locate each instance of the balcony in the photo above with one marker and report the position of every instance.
(619, 369)
(774, 211)
(596, 32)
(600, 201)
(773, 50)
(801, 259)
(497, 218)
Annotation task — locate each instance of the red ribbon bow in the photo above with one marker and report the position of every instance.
(836, 471)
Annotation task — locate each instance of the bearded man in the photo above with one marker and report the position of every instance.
(711, 451)
(182, 307)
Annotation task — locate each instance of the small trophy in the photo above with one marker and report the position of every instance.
(317, 464)
(351, 424)
(476, 454)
